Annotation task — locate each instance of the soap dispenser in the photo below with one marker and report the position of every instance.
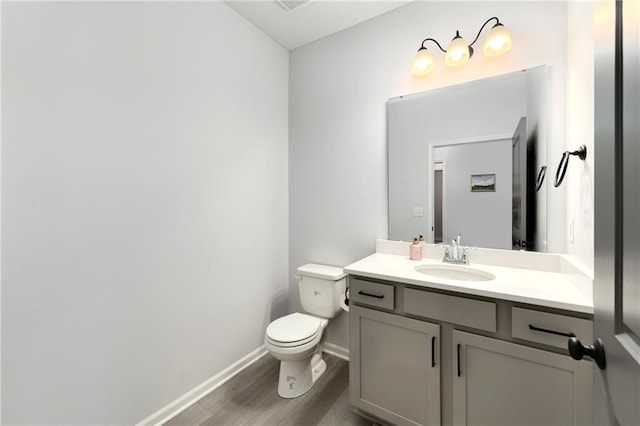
(415, 250)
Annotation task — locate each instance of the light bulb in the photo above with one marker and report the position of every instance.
(458, 52)
(498, 41)
(423, 62)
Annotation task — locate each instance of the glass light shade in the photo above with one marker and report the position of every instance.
(458, 52)
(498, 41)
(423, 62)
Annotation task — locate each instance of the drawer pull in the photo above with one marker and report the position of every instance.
(459, 370)
(377, 296)
(433, 351)
(544, 330)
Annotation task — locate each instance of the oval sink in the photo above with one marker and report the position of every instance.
(455, 272)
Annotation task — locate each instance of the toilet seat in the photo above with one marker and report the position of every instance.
(294, 330)
(293, 353)
(290, 344)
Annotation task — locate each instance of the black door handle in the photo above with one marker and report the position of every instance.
(595, 351)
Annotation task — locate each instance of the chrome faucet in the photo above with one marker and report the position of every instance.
(455, 253)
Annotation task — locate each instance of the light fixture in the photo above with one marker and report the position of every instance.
(458, 51)
(424, 63)
(498, 41)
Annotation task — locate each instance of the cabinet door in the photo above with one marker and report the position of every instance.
(500, 383)
(394, 369)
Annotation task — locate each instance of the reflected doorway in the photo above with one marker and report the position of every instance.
(438, 203)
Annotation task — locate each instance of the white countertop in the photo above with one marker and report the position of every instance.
(558, 286)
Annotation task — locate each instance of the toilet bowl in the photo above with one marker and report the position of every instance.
(296, 339)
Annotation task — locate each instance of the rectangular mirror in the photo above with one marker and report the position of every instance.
(470, 159)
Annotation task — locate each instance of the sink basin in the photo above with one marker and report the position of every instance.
(455, 272)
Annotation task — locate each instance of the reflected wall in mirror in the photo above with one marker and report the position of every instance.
(439, 139)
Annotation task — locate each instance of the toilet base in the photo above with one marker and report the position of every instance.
(297, 377)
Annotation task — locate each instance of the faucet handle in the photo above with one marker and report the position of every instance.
(447, 254)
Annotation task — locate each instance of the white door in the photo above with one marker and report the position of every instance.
(617, 212)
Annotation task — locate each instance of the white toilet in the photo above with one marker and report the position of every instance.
(296, 339)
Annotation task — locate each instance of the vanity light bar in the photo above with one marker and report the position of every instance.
(498, 41)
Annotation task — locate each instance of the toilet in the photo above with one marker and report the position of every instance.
(296, 339)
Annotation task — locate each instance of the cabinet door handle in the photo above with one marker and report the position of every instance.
(544, 330)
(433, 351)
(459, 369)
(377, 296)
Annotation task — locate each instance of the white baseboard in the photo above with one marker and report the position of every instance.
(185, 401)
(336, 350)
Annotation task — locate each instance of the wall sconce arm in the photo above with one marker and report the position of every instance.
(482, 28)
(433, 40)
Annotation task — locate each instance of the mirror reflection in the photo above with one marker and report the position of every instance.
(470, 159)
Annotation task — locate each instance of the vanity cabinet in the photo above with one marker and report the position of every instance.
(501, 383)
(421, 356)
(394, 370)
(396, 375)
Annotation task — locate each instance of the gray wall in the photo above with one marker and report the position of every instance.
(482, 218)
(144, 203)
(338, 89)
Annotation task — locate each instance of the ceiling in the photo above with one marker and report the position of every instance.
(312, 20)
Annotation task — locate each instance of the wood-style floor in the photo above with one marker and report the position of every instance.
(251, 398)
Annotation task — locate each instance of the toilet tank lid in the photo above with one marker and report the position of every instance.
(322, 271)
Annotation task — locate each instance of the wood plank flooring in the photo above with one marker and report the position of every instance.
(251, 398)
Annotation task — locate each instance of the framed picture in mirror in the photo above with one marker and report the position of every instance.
(483, 183)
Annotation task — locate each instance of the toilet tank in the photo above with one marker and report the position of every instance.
(321, 288)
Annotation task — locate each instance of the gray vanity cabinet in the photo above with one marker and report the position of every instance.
(501, 383)
(426, 357)
(395, 370)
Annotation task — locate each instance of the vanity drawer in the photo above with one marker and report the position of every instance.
(455, 310)
(372, 294)
(549, 329)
